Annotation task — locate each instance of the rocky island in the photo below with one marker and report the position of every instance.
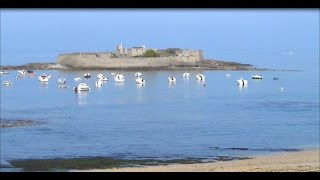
(136, 58)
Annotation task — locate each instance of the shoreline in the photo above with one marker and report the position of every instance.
(206, 65)
(171, 68)
(302, 161)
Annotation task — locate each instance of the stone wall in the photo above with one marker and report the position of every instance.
(91, 60)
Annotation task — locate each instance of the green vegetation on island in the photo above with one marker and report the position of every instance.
(150, 53)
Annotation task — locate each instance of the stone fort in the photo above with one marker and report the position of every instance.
(130, 57)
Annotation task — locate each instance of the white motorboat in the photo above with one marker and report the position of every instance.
(119, 78)
(43, 78)
(22, 72)
(172, 79)
(7, 83)
(140, 81)
(228, 75)
(3, 72)
(186, 75)
(257, 76)
(102, 77)
(87, 75)
(81, 87)
(77, 79)
(137, 74)
(62, 81)
(200, 77)
(242, 82)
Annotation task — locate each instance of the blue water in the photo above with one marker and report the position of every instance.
(160, 120)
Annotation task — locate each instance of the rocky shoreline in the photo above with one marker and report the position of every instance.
(35, 66)
(289, 161)
(17, 123)
(204, 65)
(303, 161)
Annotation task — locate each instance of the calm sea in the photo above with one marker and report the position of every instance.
(160, 120)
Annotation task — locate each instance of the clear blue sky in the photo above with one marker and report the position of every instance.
(272, 38)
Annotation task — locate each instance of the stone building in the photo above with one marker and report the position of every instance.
(130, 52)
(136, 51)
(188, 55)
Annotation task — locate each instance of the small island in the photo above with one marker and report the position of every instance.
(135, 58)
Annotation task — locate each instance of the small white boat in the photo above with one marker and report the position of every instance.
(119, 78)
(140, 81)
(22, 72)
(102, 77)
(228, 75)
(99, 83)
(137, 74)
(43, 78)
(7, 83)
(172, 79)
(257, 76)
(242, 82)
(113, 74)
(62, 81)
(186, 75)
(3, 72)
(87, 75)
(81, 87)
(77, 79)
(200, 77)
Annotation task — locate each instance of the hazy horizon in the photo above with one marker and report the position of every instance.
(267, 38)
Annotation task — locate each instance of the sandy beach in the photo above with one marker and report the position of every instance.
(303, 161)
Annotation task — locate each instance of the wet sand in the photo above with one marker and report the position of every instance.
(303, 161)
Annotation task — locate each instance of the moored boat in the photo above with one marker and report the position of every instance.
(140, 81)
(7, 83)
(172, 79)
(81, 87)
(44, 78)
(119, 78)
(242, 82)
(200, 77)
(257, 76)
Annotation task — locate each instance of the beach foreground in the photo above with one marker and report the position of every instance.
(304, 161)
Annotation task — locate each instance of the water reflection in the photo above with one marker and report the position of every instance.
(63, 86)
(119, 84)
(256, 80)
(82, 97)
(140, 96)
(171, 84)
(140, 85)
(242, 89)
(201, 83)
(43, 85)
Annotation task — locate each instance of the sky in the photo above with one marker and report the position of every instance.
(266, 38)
